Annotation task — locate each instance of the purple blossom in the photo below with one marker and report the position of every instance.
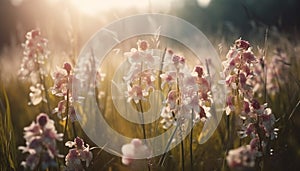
(41, 137)
(80, 153)
(62, 87)
(62, 80)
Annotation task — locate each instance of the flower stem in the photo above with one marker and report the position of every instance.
(191, 141)
(47, 95)
(67, 113)
(142, 119)
(161, 68)
(43, 82)
(144, 129)
(162, 159)
(182, 153)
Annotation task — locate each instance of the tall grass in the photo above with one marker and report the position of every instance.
(285, 150)
(7, 135)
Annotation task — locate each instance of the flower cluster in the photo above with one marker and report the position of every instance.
(238, 72)
(134, 150)
(80, 153)
(41, 137)
(257, 120)
(35, 52)
(63, 78)
(141, 76)
(188, 92)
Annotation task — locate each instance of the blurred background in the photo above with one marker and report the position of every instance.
(233, 17)
(72, 22)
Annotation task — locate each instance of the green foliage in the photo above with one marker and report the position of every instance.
(7, 143)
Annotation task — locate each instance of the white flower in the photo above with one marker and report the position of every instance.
(134, 150)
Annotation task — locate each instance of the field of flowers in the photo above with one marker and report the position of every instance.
(257, 129)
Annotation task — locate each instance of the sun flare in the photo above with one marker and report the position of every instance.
(95, 6)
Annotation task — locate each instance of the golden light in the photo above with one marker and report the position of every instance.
(203, 3)
(93, 7)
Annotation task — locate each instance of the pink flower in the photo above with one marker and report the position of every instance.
(199, 70)
(60, 109)
(76, 155)
(134, 150)
(168, 78)
(36, 94)
(32, 67)
(242, 44)
(267, 123)
(178, 61)
(41, 137)
(257, 120)
(142, 45)
(62, 80)
(35, 52)
(136, 93)
(138, 57)
(172, 98)
(241, 158)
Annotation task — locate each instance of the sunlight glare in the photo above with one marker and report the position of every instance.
(93, 7)
(203, 3)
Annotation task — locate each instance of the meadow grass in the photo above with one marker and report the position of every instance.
(16, 114)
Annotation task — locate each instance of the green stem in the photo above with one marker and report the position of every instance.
(162, 159)
(144, 129)
(142, 119)
(43, 82)
(67, 113)
(191, 141)
(182, 153)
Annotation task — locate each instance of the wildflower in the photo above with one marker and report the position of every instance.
(41, 137)
(142, 45)
(257, 119)
(80, 153)
(242, 44)
(188, 96)
(178, 61)
(136, 93)
(138, 56)
(36, 95)
(167, 78)
(267, 121)
(241, 158)
(32, 66)
(63, 79)
(134, 150)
